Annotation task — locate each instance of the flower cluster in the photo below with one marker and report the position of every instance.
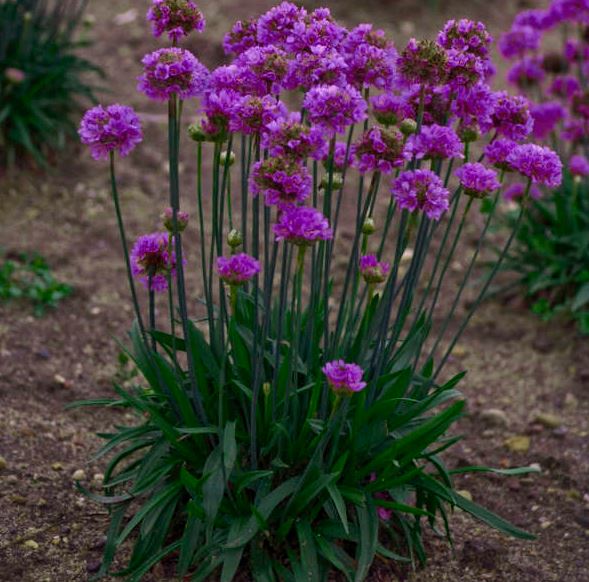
(282, 181)
(177, 18)
(477, 180)
(373, 270)
(379, 149)
(237, 269)
(421, 190)
(152, 261)
(343, 378)
(110, 129)
(303, 226)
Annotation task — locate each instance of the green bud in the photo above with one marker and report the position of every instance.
(368, 227)
(223, 158)
(337, 182)
(197, 133)
(408, 126)
(468, 134)
(266, 388)
(234, 238)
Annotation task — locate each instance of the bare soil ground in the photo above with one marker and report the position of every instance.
(50, 533)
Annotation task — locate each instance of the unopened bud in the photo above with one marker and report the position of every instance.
(266, 388)
(468, 134)
(15, 76)
(408, 126)
(197, 133)
(337, 182)
(234, 238)
(89, 21)
(386, 117)
(182, 218)
(368, 227)
(223, 159)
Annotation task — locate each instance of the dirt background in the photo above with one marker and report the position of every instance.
(517, 364)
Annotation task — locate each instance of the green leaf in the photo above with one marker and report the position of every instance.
(368, 539)
(340, 505)
(581, 298)
(229, 447)
(309, 562)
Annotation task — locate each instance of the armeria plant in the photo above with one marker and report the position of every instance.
(292, 422)
(551, 256)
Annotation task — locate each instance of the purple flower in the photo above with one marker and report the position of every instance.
(573, 10)
(540, 164)
(291, 138)
(237, 269)
(114, 128)
(464, 69)
(580, 105)
(314, 30)
(498, 151)
(421, 190)
(277, 26)
(546, 116)
(218, 106)
(517, 190)
(526, 73)
(251, 114)
(302, 226)
(511, 117)
(466, 36)
(242, 36)
(176, 17)
(342, 157)
(282, 181)
(320, 65)
(172, 71)
(477, 180)
(344, 379)
(538, 19)
(518, 41)
(371, 58)
(379, 149)
(424, 62)
(475, 105)
(150, 258)
(435, 142)
(182, 219)
(575, 130)
(579, 166)
(390, 109)
(335, 107)
(265, 66)
(373, 270)
(564, 86)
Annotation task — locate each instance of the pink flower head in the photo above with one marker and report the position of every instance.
(114, 128)
(264, 68)
(540, 164)
(518, 41)
(344, 379)
(237, 269)
(546, 116)
(579, 166)
(335, 107)
(151, 259)
(498, 151)
(302, 226)
(421, 190)
(390, 109)
(424, 62)
(242, 36)
(182, 219)
(475, 105)
(278, 25)
(177, 18)
(251, 114)
(379, 150)
(435, 142)
(564, 86)
(282, 181)
(342, 157)
(526, 73)
(466, 36)
(172, 71)
(517, 190)
(511, 117)
(373, 270)
(477, 180)
(320, 65)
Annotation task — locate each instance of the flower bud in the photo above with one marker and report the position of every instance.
(408, 126)
(223, 159)
(182, 218)
(266, 388)
(15, 76)
(386, 118)
(234, 238)
(368, 227)
(197, 133)
(89, 21)
(468, 134)
(337, 182)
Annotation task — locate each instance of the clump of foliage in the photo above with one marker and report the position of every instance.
(292, 422)
(550, 52)
(29, 277)
(44, 83)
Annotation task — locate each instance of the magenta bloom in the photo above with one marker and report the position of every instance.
(114, 128)
(172, 71)
(264, 68)
(390, 109)
(302, 226)
(320, 65)
(182, 219)
(475, 105)
(538, 19)
(526, 73)
(335, 107)
(498, 151)
(424, 62)
(373, 270)
(291, 138)
(251, 114)
(342, 157)
(579, 166)
(511, 117)
(518, 41)
(546, 116)
(421, 190)
(344, 379)
(277, 26)
(564, 86)
(242, 36)
(435, 141)
(282, 181)
(379, 150)
(466, 36)
(465, 69)
(517, 190)
(539, 164)
(178, 18)
(150, 257)
(477, 180)
(237, 269)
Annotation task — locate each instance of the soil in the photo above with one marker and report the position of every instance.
(50, 533)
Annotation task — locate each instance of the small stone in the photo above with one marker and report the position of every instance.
(12, 479)
(43, 354)
(98, 477)
(459, 351)
(79, 475)
(95, 311)
(57, 467)
(548, 420)
(31, 545)
(56, 540)
(545, 524)
(42, 502)
(570, 401)
(59, 379)
(543, 344)
(3, 463)
(464, 493)
(92, 566)
(582, 518)
(518, 444)
(488, 433)
(18, 500)
(560, 432)
(495, 417)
